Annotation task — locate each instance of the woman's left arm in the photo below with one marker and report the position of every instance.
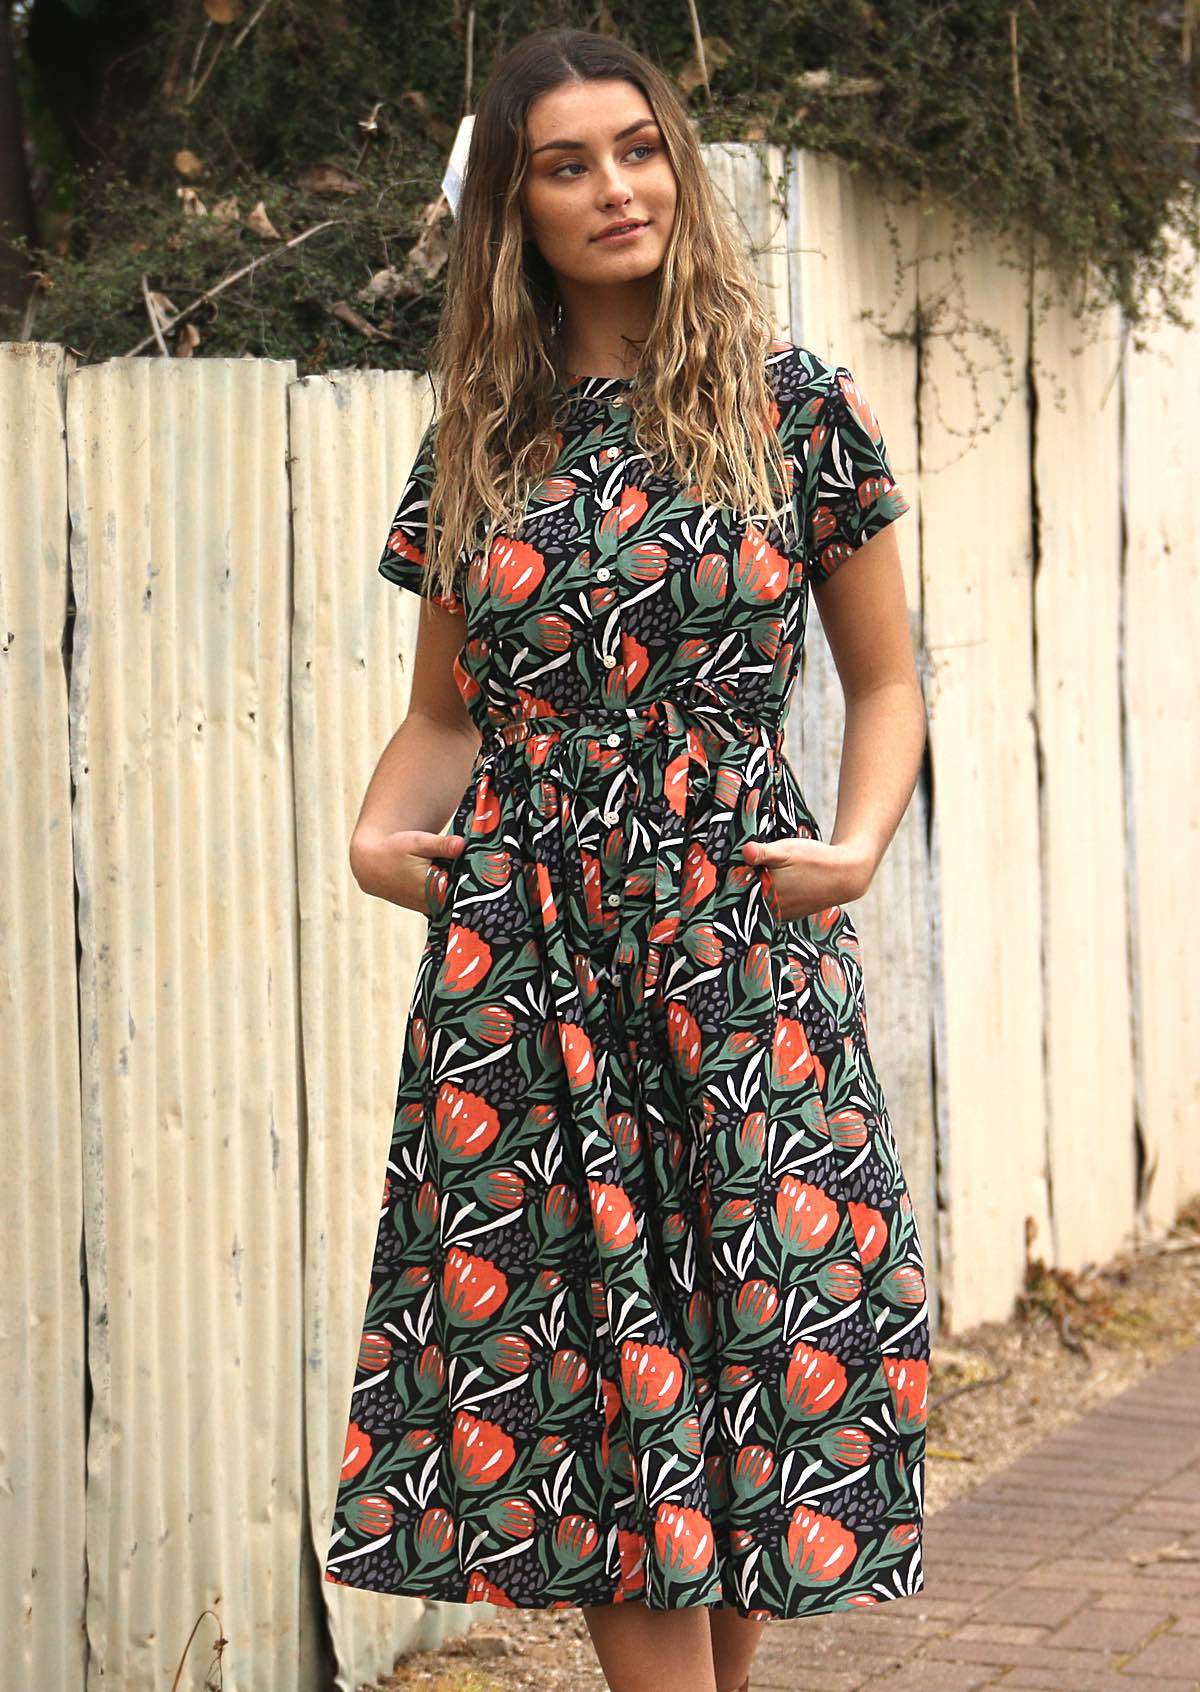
(865, 618)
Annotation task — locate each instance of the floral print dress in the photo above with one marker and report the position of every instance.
(647, 1317)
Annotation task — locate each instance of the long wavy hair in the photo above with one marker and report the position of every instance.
(700, 401)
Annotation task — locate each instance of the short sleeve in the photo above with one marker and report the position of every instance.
(403, 557)
(846, 482)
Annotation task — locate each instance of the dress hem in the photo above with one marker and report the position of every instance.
(846, 1601)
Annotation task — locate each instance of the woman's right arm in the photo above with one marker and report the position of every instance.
(421, 775)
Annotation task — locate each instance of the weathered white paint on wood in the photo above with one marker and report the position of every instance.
(976, 531)
(192, 1128)
(750, 187)
(1085, 923)
(1161, 630)
(42, 1359)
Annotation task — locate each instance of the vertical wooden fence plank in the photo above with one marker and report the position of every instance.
(1077, 594)
(1161, 693)
(978, 599)
(42, 1362)
(193, 1138)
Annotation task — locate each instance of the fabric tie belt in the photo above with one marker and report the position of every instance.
(683, 725)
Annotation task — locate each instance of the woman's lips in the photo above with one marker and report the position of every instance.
(624, 235)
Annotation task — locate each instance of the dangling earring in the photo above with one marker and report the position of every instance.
(557, 316)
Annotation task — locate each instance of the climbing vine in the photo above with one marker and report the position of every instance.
(269, 179)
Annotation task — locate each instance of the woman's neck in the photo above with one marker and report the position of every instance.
(595, 342)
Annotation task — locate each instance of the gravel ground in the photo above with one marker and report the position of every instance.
(1074, 1341)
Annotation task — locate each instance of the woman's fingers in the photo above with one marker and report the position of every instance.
(424, 843)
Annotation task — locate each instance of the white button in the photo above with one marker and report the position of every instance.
(613, 899)
(608, 660)
(612, 816)
(613, 739)
(603, 573)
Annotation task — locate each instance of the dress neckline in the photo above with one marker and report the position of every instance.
(590, 385)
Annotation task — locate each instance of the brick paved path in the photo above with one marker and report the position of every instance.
(1032, 1582)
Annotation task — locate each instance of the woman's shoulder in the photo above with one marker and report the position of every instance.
(797, 373)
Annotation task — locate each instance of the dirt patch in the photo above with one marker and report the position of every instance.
(1075, 1340)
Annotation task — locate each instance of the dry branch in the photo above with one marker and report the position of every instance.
(211, 293)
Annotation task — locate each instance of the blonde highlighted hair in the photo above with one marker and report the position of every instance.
(701, 402)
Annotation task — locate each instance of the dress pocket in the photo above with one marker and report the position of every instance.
(430, 909)
(771, 894)
(443, 873)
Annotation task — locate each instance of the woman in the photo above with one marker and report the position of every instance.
(647, 1329)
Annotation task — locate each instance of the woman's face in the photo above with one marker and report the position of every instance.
(597, 158)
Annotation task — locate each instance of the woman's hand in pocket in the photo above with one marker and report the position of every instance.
(809, 875)
(396, 866)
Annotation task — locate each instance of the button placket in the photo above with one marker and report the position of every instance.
(614, 772)
(602, 547)
(611, 867)
(605, 544)
(618, 780)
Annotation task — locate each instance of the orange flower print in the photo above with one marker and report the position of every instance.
(482, 1453)
(577, 1055)
(486, 812)
(684, 1039)
(908, 1378)
(399, 545)
(613, 1218)
(628, 510)
(807, 1215)
(820, 1548)
(755, 1305)
(645, 561)
(762, 573)
(699, 878)
(753, 1470)
(468, 960)
(435, 1532)
(473, 1288)
(464, 1124)
(577, 1539)
(546, 905)
(815, 1381)
(651, 1377)
(515, 571)
(683, 1539)
(357, 1453)
(870, 1230)
(793, 1058)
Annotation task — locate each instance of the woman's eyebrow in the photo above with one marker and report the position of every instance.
(641, 123)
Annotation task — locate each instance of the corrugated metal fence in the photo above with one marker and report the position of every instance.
(201, 1015)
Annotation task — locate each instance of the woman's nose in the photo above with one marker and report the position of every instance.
(614, 186)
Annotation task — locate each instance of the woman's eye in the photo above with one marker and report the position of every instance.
(574, 164)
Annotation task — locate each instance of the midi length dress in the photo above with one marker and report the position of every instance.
(647, 1316)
